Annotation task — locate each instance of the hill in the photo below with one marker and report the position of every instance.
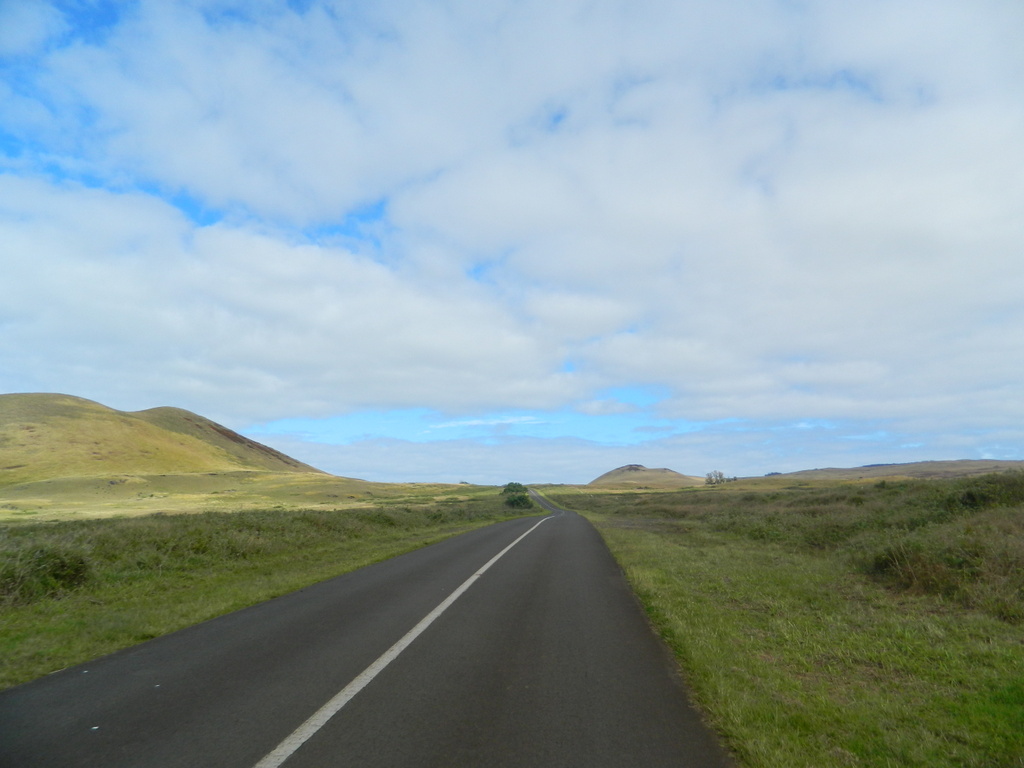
(48, 436)
(919, 469)
(639, 476)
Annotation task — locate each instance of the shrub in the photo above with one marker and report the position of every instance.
(518, 501)
(30, 574)
(978, 561)
(517, 496)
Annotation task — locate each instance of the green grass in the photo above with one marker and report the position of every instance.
(74, 590)
(803, 645)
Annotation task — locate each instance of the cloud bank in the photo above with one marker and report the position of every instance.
(770, 214)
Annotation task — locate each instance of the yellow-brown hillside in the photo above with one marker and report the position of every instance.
(639, 476)
(44, 436)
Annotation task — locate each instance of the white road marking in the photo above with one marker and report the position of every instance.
(304, 732)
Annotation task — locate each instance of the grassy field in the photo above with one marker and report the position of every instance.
(71, 590)
(867, 624)
(122, 495)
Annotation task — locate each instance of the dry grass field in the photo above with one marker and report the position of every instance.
(125, 495)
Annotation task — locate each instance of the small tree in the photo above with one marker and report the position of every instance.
(516, 496)
(714, 478)
(518, 501)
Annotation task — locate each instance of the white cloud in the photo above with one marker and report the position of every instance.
(774, 211)
(604, 407)
(26, 25)
(277, 328)
(492, 422)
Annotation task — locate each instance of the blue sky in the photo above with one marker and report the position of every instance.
(524, 240)
(623, 417)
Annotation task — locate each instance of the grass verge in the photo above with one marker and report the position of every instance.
(806, 653)
(72, 591)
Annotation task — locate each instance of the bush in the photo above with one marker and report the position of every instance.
(997, 490)
(979, 562)
(30, 574)
(518, 501)
(517, 496)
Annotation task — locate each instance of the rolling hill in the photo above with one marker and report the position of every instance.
(639, 476)
(918, 469)
(48, 436)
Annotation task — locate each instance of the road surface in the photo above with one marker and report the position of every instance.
(541, 657)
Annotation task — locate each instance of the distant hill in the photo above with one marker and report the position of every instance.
(639, 476)
(44, 436)
(919, 469)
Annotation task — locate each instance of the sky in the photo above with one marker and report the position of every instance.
(531, 240)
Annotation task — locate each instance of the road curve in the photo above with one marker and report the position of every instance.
(545, 659)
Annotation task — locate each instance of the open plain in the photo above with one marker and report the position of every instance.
(861, 617)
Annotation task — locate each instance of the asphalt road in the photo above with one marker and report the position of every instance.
(545, 659)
